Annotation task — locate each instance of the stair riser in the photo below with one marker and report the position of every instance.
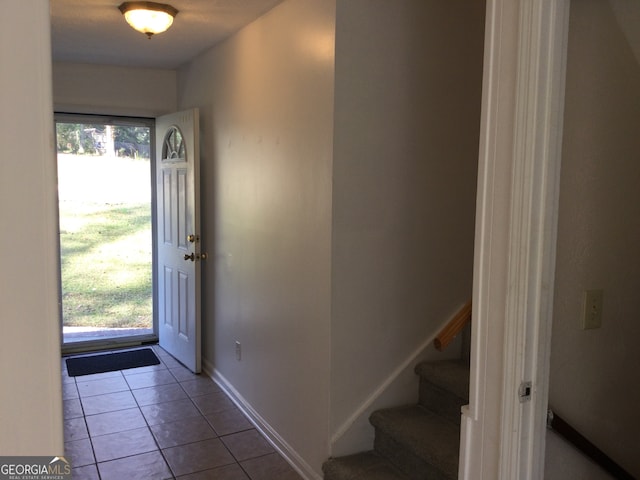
(441, 401)
(331, 473)
(361, 466)
(414, 467)
(331, 476)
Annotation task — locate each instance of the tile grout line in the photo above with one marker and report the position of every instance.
(90, 437)
(192, 394)
(84, 418)
(218, 436)
(155, 440)
(208, 423)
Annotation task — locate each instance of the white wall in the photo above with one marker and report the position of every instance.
(593, 381)
(266, 102)
(30, 392)
(407, 116)
(112, 90)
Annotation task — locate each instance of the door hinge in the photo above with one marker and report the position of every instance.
(524, 392)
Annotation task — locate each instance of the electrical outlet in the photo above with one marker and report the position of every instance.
(592, 312)
(238, 351)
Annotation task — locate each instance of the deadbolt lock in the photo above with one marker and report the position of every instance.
(195, 256)
(192, 238)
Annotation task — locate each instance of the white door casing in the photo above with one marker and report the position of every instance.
(178, 229)
(516, 221)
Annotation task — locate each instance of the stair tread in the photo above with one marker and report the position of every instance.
(451, 375)
(361, 466)
(426, 434)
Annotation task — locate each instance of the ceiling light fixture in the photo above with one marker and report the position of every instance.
(148, 17)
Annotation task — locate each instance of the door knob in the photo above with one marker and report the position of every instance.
(192, 238)
(191, 257)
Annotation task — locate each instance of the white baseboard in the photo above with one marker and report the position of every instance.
(355, 433)
(272, 436)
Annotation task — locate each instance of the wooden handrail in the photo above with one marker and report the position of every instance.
(454, 327)
(570, 434)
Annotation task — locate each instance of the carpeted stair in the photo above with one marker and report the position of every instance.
(414, 442)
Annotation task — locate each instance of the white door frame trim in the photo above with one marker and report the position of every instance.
(516, 223)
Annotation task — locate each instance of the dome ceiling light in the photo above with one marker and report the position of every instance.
(149, 18)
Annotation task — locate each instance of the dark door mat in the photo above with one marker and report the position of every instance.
(110, 362)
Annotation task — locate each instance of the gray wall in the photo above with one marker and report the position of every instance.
(593, 382)
(266, 103)
(108, 89)
(339, 246)
(407, 116)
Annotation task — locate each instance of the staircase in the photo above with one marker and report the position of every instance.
(414, 442)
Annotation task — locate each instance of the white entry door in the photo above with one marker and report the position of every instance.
(178, 231)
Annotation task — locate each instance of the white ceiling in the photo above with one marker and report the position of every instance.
(94, 31)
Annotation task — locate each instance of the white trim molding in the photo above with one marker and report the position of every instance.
(517, 202)
(424, 351)
(272, 436)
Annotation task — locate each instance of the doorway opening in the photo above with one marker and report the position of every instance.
(106, 225)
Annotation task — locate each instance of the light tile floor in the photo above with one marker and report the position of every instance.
(161, 422)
